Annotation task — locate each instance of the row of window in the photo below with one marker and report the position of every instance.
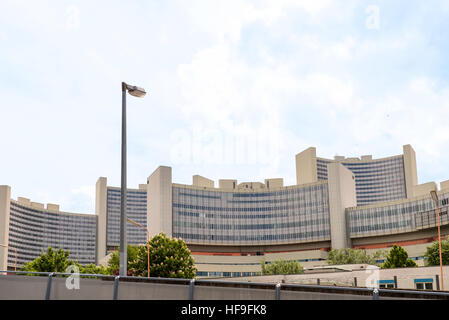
(226, 274)
(130, 192)
(246, 216)
(380, 227)
(48, 217)
(231, 209)
(312, 235)
(199, 195)
(376, 170)
(44, 226)
(365, 163)
(266, 226)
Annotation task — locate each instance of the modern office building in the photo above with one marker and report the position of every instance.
(29, 227)
(231, 228)
(361, 203)
(107, 208)
(377, 180)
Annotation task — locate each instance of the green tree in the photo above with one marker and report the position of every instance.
(94, 269)
(51, 261)
(281, 267)
(353, 256)
(114, 260)
(398, 258)
(169, 258)
(432, 255)
(58, 261)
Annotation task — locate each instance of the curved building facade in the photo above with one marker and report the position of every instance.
(377, 180)
(398, 217)
(32, 227)
(346, 202)
(231, 228)
(284, 216)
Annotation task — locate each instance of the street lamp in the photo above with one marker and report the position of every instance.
(434, 195)
(136, 92)
(148, 241)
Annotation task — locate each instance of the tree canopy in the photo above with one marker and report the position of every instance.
(51, 261)
(282, 267)
(432, 255)
(58, 261)
(398, 258)
(114, 260)
(169, 258)
(354, 256)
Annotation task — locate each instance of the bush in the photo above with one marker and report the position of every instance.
(282, 267)
(353, 256)
(398, 258)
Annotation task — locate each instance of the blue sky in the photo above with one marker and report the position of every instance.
(235, 89)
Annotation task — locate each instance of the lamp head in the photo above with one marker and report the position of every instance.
(134, 90)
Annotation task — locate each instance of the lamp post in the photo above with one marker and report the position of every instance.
(15, 251)
(137, 92)
(434, 195)
(148, 241)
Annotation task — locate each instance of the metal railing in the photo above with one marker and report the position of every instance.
(277, 288)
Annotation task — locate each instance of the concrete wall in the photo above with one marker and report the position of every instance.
(306, 171)
(341, 195)
(410, 171)
(159, 202)
(222, 263)
(200, 181)
(227, 184)
(100, 211)
(34, 288)
(424, 189)
(405, 277)
(274, 183)
(5, 197)
(444, 185)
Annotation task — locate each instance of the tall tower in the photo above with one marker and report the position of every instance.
(159, 202)
(5, 197)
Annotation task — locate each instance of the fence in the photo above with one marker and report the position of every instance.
(53, 286)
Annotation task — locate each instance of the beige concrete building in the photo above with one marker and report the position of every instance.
(377, 180)
(231, 226)
(27, 227)
(362, 275)
(335, 204)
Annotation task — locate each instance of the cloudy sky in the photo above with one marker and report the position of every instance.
(235, 89)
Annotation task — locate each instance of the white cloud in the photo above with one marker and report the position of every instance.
(226, 19)
(267, 75)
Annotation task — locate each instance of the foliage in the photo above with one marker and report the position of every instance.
(93, 269)
(282, 267)
(353, 256)
(169, 258)
(398, 258)
(50, 261)
(432, 255)
(114, 260)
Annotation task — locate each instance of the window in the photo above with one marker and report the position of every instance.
(386, 284)
(424, 284)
